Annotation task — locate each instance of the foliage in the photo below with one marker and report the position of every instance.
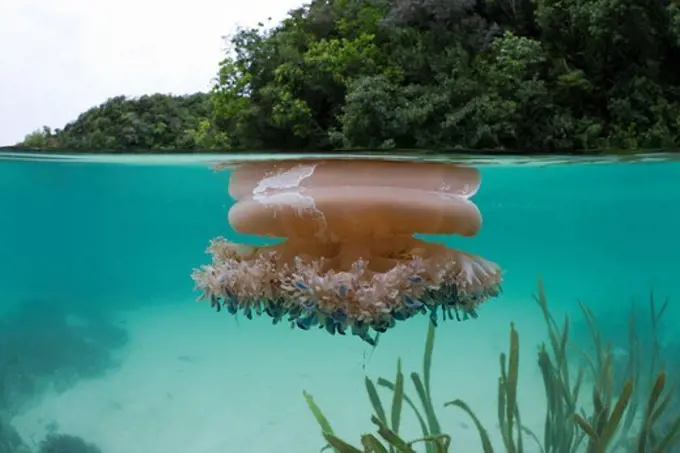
(533, 76)
(643, 399)
(156, 122)
(560, 436)
(607, 425)
(388, 429)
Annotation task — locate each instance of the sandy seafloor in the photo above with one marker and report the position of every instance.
(193, 380)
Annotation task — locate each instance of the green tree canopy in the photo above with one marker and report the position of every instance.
(155, 122)
(525, 75)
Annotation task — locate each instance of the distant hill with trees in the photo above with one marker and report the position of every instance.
(154, 122)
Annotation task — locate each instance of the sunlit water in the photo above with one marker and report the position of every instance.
(101, 337)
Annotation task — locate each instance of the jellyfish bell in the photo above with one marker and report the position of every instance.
(353, 198)
(257, 177)
(349, 260)
(338, 214)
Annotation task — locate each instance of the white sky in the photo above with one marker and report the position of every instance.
(58, 58)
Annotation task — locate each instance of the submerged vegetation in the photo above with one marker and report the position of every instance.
(464, 74)
(50, 346)
(629, 411)
(64, 443)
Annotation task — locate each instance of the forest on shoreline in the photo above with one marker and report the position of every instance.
(532, 76)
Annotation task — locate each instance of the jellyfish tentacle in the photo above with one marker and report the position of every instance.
(351, 299)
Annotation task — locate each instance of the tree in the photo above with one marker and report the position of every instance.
(543, 76)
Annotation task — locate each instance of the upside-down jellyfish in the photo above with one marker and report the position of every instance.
(349, 261)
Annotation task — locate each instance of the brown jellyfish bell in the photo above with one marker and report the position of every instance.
(349, 261)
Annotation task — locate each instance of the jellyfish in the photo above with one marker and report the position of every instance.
(349, 260)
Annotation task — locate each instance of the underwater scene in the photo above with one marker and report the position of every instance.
(347, 303)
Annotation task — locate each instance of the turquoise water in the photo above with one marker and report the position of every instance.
(102, 339)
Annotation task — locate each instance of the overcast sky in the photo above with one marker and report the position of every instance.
(59, 58)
